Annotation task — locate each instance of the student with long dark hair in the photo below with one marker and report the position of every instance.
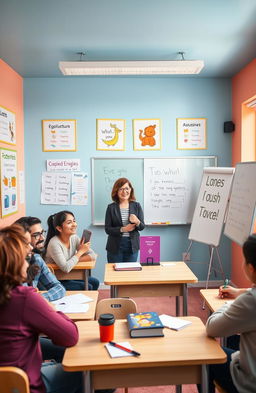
(24, 315)
(64, 247)
(239, 373)
(123, 221)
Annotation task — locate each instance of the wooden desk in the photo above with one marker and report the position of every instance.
(90, 314)
(160, 280)
(178, 358)
(212, 299)
(79, 272)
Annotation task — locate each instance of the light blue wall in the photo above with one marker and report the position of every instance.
(87, 99)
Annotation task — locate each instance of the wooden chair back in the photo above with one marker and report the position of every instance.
(119, 307)
(13, 380)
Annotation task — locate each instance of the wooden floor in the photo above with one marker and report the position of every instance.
(166, 305)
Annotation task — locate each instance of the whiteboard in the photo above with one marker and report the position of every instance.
(242, 203)
(211, 205)
(144, 174)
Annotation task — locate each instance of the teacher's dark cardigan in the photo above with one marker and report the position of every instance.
(113, 223)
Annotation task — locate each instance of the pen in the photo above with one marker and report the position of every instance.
(226, 281)
(124, 348)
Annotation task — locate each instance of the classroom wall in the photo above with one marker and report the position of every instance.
(243, 88)
(11, 97)
(89, 98)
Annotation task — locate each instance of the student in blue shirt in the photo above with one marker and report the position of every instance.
(39, 275)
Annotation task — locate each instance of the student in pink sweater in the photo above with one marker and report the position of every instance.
(24, 314)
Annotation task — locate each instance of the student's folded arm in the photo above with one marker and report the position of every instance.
(55, 325)
(88, 256)
(56, 254)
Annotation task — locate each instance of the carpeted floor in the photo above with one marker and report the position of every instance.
(166, 305)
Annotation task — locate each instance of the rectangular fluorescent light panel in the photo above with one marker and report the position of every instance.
(131, 67)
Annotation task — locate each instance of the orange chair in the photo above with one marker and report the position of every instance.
(13, 379)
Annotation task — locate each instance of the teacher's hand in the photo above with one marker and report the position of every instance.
(128, 228)
(134, 219)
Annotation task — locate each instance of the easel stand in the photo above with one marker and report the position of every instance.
(212, 250)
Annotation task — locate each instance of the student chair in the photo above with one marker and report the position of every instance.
(119, 307)
(219, 388)
(13, 380)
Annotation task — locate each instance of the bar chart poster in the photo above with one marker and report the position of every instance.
(9, 204)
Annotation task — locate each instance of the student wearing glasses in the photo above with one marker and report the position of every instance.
(38, 275)
(123, 220)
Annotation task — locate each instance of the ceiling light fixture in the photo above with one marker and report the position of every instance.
(144, 67)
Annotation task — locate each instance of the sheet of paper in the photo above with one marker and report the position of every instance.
(173, 322)
(167, 263)
(118, 353)
(78, 298)
(72, 308)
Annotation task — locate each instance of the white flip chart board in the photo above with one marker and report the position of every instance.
(242, 203)
(211, 205)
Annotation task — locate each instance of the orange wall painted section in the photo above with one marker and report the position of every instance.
(11, 97)
(243, 88)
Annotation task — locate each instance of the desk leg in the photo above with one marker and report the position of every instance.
(86, 276)
(204, 379)
(178, 388)
(185, 299)
(113, 291)
(177, 306)
(87, 382)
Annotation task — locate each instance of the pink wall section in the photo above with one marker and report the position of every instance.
(243, 88)
(11, 97)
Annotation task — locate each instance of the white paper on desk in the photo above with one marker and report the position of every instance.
(117, 352)
(167, 263)
(78, 298)
(72, 308)
(229, 302)
(173, 322)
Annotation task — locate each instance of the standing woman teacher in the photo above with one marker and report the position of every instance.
(123, 221)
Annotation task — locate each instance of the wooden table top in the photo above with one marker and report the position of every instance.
(213, 301)
(79, 266)
(189, 346)
(173, 273)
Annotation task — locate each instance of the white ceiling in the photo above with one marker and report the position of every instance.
(36, 34)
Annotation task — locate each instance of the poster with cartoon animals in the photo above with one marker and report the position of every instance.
(110, 134)
(7, 126)
(147, 134)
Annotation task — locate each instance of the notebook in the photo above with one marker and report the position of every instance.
(127, 266)
(173, 322)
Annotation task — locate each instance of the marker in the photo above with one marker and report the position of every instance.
(226, 281)
(134, 353)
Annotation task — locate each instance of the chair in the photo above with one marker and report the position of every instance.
(119, 307)
(219, 388)
(13, 380)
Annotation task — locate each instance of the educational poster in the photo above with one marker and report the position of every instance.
(9, 204)
(150, 250)
(55, 188)
(191, 133)
(7, 126)
(66, 164)
(110, 134)
(146, 134)
(59, 135)
(79, 190)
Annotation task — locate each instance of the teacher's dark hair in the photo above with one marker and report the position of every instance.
(249, 250)
(13, 251)
(54, 221)
(118, 184)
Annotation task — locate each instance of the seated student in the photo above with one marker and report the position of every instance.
(64, 247)
(39, 275)
(238, 374)
(24, 315)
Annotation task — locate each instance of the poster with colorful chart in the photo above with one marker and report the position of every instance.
(59, 135)
(9, 204)
(191, 133)
(7, 126)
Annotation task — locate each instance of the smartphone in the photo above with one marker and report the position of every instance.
(86, 236)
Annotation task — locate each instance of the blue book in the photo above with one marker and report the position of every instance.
(145, 324)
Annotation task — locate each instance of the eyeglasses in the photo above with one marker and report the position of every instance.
(37, 235)
(124, 189)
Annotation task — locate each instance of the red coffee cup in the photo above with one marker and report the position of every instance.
(106, 324)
